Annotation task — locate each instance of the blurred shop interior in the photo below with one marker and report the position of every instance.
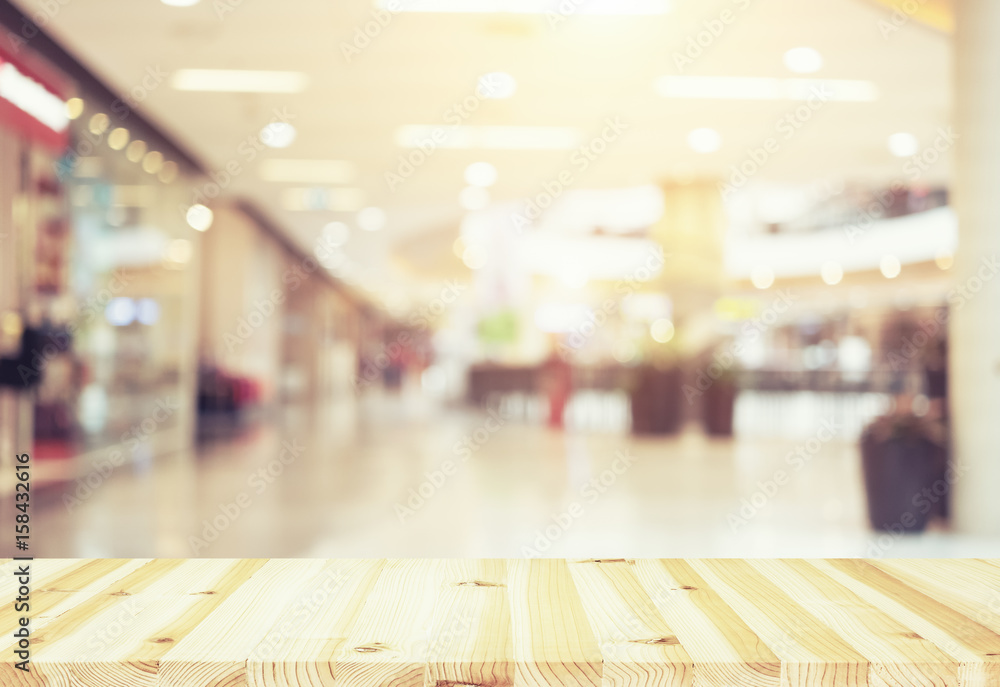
(462, 257)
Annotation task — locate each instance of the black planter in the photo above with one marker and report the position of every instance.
(719, 404)
(897, 471)
(656, 401)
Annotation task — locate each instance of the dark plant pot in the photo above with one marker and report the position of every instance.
(896, 473)
(656, 401)
(720, 400)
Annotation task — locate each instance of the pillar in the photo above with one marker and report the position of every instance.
(975, 324)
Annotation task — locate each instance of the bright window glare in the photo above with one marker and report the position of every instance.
(490, 137)
(238, 81)
(528, 6)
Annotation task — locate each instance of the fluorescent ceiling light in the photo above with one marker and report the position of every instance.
(308, 171)
(238, 81)
(528, 6)
(489, 137)
(765, 88)
(318, 199)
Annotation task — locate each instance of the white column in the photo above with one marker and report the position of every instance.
(975, 326)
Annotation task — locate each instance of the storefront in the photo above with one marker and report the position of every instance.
(98, 304)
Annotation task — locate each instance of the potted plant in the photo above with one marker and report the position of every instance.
(719, 405)
(903, 459)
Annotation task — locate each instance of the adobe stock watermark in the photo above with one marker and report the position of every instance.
(246, 152)
(32, 22)
(785, 129)
(419, 321)
(579, 162)
(902, 15)
(577, 338)
(407, 164)
(914, 169)
(132, 438)
(711, 30)
(300, 612)
(258, 482)
(590, 493)
(263, 309)
(922, 503)
(363, 35)
(796, 459)
(463, 450)
(60, 341)
(750, 332)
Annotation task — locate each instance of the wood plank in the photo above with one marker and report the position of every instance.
(214, 653)
(959, 584)
(725, 651)
(389, 643)
(509, 623)
(812, 654)
(899, 657)
(122, 642)
(471, 634)
(301, 647)
(638, 646)
(976, 647)
(552, 640)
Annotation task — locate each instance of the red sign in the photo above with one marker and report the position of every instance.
(33, 100)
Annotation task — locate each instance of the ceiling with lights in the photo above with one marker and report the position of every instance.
(384, 128)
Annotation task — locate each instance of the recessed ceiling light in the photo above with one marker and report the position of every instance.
(199, 217)
(662, 330)
(99, 123)
(704, 140)
(118, 138)
(475, 257)
(152, 162)
(277, 135)
(168, 173)
(803, 60)
(308, 171)
(490, 137)
(474, 198)
(890, 267)
(74, 108)
(497, 85)
(765, 88)
(180, 3)
(903, 144)
(944, 260)
(371, 219)
(831, 272)
(762, 277)
(136, 150)
(481, 174)
(238, 81)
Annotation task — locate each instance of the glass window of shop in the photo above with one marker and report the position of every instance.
(113, 280)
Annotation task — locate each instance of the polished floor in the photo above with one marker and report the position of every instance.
(401, 477)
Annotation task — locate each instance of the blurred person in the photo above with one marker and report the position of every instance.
(556, 381)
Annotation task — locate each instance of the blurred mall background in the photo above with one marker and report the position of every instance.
(482, 278)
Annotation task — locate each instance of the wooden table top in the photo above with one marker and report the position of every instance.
(449, 623)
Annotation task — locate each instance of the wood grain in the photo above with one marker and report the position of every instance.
(507, 623)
